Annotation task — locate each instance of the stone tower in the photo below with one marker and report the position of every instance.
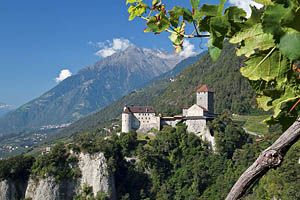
(205, 98)
(126, 120)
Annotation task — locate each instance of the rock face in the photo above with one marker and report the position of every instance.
(50, 189)
(47, 189)
(12, 190)
(95, 174)
(7, 190)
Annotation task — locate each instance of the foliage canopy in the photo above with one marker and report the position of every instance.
(269, 40)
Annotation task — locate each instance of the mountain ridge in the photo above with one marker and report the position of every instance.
(91, 88)
(232, 92)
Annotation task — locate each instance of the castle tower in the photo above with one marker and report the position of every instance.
(205, 98)
(126, 120)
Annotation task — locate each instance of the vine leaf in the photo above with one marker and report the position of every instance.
(235, 17)
(267, 70)
(264, 2)
(209, 10)
(254, 38)
(219, 27)
(288, 96)
(272, 20)
(195, 5)
(290, 45)
(214, 51)
(130, 1)
(264, 102)
(158, 23)
(136, 10)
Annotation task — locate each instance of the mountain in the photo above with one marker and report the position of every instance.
(5, 108)
(232, 92)
(92, 88)
(180, 66)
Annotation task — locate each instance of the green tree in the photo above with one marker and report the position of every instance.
(270, 42)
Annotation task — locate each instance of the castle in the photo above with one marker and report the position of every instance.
(143, 118)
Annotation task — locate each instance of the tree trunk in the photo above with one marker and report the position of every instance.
(268, 159)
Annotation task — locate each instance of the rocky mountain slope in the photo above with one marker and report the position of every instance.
(92, 88)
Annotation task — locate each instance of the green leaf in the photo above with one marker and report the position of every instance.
(177, 40)
(290, 45)
(209, 10)
(154, 3)
(235, 14)
(175, 14)
(219, 27)
(187, 15)
(158, 23)
(255, 17)
(289, 95)
(265, 2)
(195, 5)
(236, 17)
(137, 10)
(271, 20)
(253, 38)
(130, 1)
(214, 51)
(264, 102)
(264, 67)
(221, 7)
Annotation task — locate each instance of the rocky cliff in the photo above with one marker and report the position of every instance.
(94, 172)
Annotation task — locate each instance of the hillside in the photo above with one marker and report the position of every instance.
(112, 112)
(92, 88)
(232, 92)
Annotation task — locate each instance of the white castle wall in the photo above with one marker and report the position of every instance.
(126, 122)
(195, 110)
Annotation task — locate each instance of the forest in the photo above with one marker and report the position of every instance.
(173, 165)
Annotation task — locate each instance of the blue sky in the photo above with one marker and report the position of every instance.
(38, 39)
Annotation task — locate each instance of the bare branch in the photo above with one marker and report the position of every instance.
(268, 159)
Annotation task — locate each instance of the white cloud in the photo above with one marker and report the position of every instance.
(110, 47)
(65, 73)
(188, 49)
(245, 4)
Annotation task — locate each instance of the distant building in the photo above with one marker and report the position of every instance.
(143, 118)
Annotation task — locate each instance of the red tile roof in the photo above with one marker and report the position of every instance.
(139, 109)
(204, 88)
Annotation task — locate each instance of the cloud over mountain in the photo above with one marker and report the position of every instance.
(110, 47)
(65, 73)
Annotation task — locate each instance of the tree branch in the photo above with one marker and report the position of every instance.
(268, 159)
